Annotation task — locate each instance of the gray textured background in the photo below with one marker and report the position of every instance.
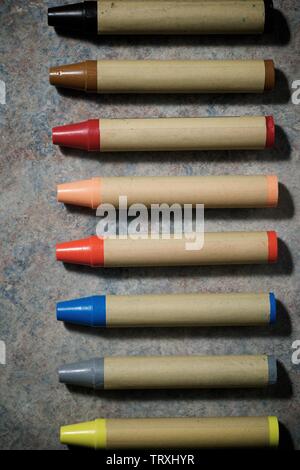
(32, 403)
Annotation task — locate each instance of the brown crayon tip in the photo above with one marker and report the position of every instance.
(81, 76)
(269, 75)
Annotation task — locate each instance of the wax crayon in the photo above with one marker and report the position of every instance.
(171, 372)
(217, 248)
(164, 17)
(230, 191)
(177, 310)
(166, 76)
(160, 433)
(117, 135)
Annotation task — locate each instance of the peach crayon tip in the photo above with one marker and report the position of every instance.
(84, 193)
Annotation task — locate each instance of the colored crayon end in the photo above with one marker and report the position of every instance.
(84, 193)
(84, 135)
(273, 191)
(273, 431)
(88, 311)
(68, 76)
(270, 75)
(80, 17)
(270, 131)
(269, 16)
(88, 252)
(88, 374)
(66, 16)
(273, 308)
(273, 247)
(81, 76)
(272, 366)
(89, 434)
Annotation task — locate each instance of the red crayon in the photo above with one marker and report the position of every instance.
(218, 248)
(116, 135)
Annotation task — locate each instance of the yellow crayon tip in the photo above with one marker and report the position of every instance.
(89, 434)
(273, 431)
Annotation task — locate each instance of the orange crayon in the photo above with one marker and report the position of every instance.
(218, 248)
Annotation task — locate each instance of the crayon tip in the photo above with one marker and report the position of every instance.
(84, 193)
(82, 434)
(88, 311)
(88, 374)
(83, 135)
(81, 76)
(68, 76)
(74, 17)
(88, 252)
(66, 16)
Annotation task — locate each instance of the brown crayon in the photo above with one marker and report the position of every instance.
(166, 76)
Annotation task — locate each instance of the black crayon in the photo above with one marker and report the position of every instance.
(164, 17)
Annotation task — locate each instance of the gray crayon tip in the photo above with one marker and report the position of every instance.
(83, 374)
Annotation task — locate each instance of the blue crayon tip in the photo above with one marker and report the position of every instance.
(273, 308)
(88, 311)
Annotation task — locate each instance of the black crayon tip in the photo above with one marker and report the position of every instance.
(75, 17)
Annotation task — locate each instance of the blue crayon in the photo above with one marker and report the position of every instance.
(111, 311)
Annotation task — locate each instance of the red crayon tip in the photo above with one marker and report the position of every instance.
(270, 125)
(89, 251)
(273, 247)
(83, 135)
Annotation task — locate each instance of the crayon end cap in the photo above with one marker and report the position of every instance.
(273, 191)
(273, 308)
(269, 75)
(272, 366)
(273, 431)
(273, 247)
(270, 131)
(269, 16)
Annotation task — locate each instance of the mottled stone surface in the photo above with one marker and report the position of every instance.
(32, 403)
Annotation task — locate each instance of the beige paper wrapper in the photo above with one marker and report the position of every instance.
(212, 191)
(218, 248)
(227, 133)
(187, 310)
(175, 76)
(188, 432)
(180, 16)
(185, 372)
